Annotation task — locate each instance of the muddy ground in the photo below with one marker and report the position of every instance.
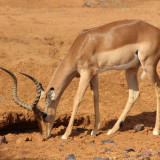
(34, 37)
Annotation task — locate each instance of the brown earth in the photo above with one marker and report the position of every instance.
(34, 37)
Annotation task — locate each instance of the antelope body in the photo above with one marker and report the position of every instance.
(121, 45)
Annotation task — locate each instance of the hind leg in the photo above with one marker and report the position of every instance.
(131, 76)
(157, 124)
(154, 78)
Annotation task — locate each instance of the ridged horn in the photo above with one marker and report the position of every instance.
(14, 91)
(39, 89)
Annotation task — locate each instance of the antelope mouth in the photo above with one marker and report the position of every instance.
(45, 137)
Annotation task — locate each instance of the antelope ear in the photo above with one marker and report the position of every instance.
(52, 93)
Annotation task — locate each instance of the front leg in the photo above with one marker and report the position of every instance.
(94, 88)
(84, 80)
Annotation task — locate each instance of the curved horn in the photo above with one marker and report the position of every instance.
(14, 92)
(39, 89)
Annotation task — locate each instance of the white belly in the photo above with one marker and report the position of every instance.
(118, 59)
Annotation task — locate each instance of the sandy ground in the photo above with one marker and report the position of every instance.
(34, 37)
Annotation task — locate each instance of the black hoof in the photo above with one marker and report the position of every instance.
(121, 124)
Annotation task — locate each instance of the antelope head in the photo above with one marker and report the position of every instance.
(44, 121)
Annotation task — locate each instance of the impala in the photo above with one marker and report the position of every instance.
(121, 45)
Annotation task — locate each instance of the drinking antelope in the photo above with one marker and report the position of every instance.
(121, 45)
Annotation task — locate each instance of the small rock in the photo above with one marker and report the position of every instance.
(126, 155)
(138, 155)
(63, 143)
(3, 140)
(109, 141)
(129, 149)
(139, 127)
(2, 99)
(158, 153)
(98, 158)
(70, 157)
(146, 153)
(92, 143)
(28, 139)
(108, 150)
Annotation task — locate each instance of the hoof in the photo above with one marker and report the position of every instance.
(155, 132)
(64, 137)
(93, 133)
(110, 132)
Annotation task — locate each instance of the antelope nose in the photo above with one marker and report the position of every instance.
(45, 137)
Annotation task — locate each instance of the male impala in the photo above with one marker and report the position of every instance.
(120, 45)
